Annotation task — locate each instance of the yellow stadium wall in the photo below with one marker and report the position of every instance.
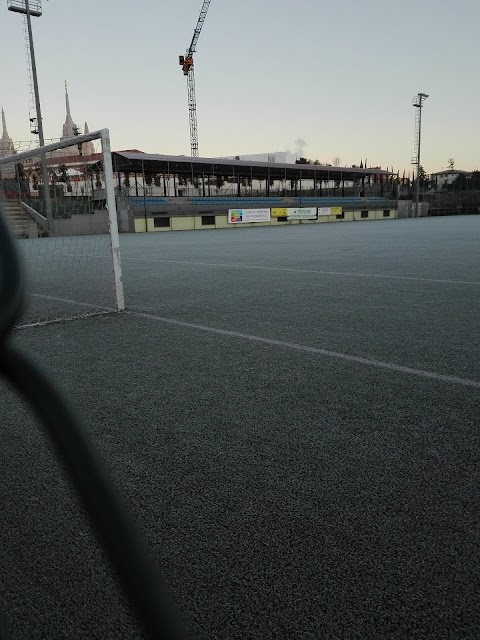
(379, 215)
(183, 223)
(221, 222)
(139, 225)
(357, 216)
(188, 223)
(198, 224)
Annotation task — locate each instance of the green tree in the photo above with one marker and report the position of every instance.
(20, 174)
(423, 176)
(21, 177)
(465, 182)
(33, 174)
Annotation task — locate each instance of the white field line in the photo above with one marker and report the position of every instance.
(379, 364)
(291, 270)
(389, 366)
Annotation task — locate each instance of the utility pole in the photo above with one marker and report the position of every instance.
(23, 6)
(418, 101)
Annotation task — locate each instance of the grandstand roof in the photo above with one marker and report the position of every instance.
(136, 162)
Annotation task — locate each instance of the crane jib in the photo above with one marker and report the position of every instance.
(198, 28)
(186, 62)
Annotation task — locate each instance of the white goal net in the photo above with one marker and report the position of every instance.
(59, 201)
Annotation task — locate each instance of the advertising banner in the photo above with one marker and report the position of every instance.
(238, 216)
(279, 212)
(329, 211)
(306, 213)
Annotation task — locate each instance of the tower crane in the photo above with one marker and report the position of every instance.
(186, 62)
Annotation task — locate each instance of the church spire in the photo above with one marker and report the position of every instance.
(6, 143)
(69, 128)
(67, 102)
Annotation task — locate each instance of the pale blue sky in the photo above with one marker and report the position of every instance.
(340, 75)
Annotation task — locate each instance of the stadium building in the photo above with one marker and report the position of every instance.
(157, 192)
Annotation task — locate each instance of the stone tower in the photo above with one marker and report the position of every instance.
(87, 148)
(6, 143)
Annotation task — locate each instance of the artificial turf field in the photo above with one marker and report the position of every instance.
(292, 416)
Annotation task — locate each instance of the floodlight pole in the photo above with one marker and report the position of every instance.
(417, 191)
(418, 104)
(41, 139)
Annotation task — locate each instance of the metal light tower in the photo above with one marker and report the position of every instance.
(417, 102)
(31, 8)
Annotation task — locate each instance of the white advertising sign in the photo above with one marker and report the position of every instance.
(238, 216)
(330, 211)
(305, 213)
(324, 211)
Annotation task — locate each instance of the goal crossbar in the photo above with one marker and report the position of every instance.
(61, 144)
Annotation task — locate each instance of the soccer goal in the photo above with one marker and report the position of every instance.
(59, 200)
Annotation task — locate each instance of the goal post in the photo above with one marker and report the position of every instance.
(70, 241)
(112, 218)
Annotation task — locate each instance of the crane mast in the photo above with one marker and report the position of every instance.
(186, 62)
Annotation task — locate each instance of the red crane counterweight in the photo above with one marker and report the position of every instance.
(185, 62)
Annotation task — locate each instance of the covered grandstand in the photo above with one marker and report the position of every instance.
(155, 189)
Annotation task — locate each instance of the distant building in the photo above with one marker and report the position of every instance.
(74, 157)
(72, 160)
(447, 177)
(281, 157)
(71, 156)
